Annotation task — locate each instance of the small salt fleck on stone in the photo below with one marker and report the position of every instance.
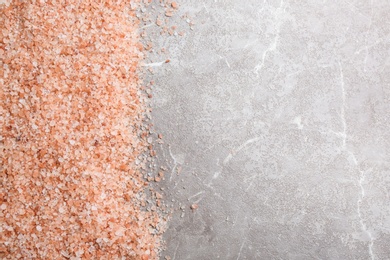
(39, 228)
(3, 206)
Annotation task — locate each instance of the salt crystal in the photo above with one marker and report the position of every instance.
(39, 228)
(119, 233)
(79, 253)
(3, 206)
(7, 3)
(133, 5)
(65, 254)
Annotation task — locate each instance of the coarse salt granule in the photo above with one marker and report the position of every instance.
(71, 117)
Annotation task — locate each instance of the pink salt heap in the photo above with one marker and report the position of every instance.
(70, 119)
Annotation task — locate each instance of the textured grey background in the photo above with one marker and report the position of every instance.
(275, 116)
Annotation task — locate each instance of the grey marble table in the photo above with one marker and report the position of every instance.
(276, 117)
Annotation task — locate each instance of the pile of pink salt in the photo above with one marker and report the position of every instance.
(70, 119)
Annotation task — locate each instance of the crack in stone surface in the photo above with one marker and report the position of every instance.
(355, 163)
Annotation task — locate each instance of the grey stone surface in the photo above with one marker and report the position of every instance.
(275, 116)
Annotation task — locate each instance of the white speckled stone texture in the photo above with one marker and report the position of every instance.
(276, 114)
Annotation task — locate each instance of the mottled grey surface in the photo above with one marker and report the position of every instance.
(275, 116)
